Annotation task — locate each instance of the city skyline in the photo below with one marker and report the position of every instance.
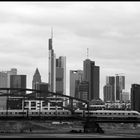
(109, 29)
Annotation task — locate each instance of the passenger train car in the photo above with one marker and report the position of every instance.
(66, 113)
(109, 114)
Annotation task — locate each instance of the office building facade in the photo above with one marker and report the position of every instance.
(13, 71)
(110, 80)
(120, 86)
(83, 90)
(18, 81)
(5, 83)
(36, 79)
(57, 71)
(135, 97)
(125, 96)
(61, 75)
(107, 89)
(52, 67)
(76, 76)
(117, 84)
(92, 76)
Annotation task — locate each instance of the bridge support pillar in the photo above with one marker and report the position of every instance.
(91, 126)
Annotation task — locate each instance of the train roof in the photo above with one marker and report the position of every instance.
(113, 111)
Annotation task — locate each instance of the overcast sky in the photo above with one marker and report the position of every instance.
(111, 31)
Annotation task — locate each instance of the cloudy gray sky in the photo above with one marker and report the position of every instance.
(111, 31)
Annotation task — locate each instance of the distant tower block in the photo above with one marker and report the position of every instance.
(36, 79)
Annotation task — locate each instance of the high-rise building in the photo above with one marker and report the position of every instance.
(5, 78)
(120, 85)
(135, 97)
(83, 88)
(107, 92)
(13, 71)
(18, 81)
(91, 75)
(43, 87)
(76, 76)
(36, 79)
(125, 96)
(61, 75)
(5, 83)
(57, 71)
(110, 80)
(52, 67)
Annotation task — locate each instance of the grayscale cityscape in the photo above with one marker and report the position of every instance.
(69, 70)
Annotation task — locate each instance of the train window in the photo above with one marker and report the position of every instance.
(128, 113)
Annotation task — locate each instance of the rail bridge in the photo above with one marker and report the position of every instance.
(43, 95)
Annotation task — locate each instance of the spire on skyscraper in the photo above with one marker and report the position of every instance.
(37, 71)
(87, 53)
(51, 32)
(36, 78)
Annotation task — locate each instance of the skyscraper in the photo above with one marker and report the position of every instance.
(125, 96)
(52, 67)
(5, 83)
(61, 75)
(83, 88)
(110, 80)
(57, 71)
(5, 78)
(135, 97)
(13, 71)
(36, 79)
(18, 81)
(75, 77)
(91, 75)
(120, 85)
(108, 92)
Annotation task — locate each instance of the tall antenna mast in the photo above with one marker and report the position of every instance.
(52, 32)
(87, 53)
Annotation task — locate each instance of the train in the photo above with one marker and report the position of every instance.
(67, 114)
